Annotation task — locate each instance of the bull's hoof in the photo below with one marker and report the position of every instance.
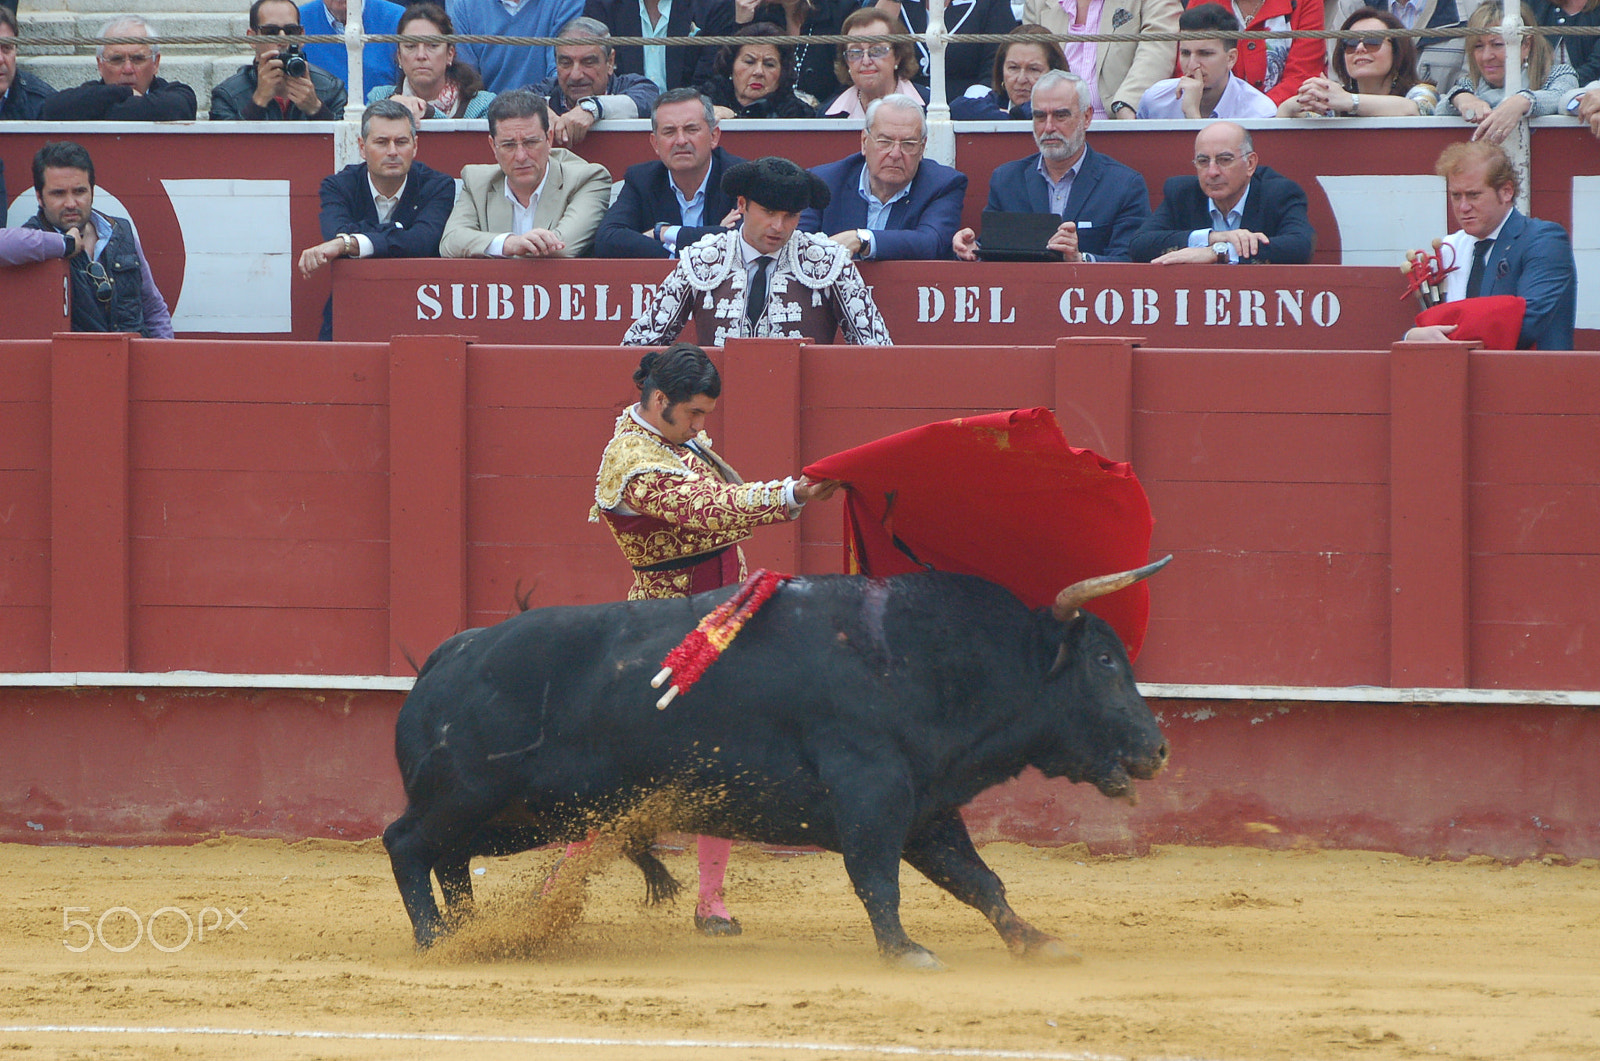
(716, 927)
(1048, 950)
(917, 959)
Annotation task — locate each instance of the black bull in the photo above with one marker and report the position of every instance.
(851, 714)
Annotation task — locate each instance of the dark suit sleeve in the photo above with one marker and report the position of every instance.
(1545, 279)
(621, 233)
(1133, 210)
(936, 227)
(343, 210)
(88, 102)
(1293, 238)
(169, 102)
(1166, 229)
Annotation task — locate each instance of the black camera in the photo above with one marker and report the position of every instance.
(294, 61)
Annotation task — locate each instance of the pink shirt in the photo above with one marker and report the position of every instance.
(1081, 54)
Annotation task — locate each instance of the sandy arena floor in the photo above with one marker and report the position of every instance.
(1227, 953)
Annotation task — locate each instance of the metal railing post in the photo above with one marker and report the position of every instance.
(941, 134)
(1514, 33)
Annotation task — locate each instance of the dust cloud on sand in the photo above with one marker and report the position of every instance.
(1230, 954)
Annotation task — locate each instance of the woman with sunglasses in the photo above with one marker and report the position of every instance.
(1017, 65)
(1480, 96)
(756, 79)
(872, 70)
(433, 82)
(1372, 75)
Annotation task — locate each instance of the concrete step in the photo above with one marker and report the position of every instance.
(104, 9)
(69, 24)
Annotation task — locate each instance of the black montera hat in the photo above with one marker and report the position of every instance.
(777, 184)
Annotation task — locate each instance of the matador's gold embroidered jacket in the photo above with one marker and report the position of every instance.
(668, 505)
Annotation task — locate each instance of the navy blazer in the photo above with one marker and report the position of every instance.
(1275, 207)
(920, 226)
(412, 231)
(1108, 200)
(647, 198)
(622, 18)
(1533, 259)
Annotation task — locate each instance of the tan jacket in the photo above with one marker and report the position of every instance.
(1127, 69)
(576, 194)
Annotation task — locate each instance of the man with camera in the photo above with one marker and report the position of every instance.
(280, 85)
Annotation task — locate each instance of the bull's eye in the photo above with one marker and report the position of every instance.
(1106, 659)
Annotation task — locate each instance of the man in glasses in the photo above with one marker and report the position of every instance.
(539, 202)
(887, 201)
(112, 289)
(129, 89)
(1100, 201)
(281, 85)
(22, 95)
(1232, 210)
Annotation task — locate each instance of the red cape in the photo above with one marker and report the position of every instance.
(1002, 496)
(1493, 320)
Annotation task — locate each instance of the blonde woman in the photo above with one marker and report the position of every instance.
(1480, 95)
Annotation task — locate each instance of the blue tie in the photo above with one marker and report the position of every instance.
(1480, 257)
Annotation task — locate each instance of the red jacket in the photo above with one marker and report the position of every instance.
(1307, 57)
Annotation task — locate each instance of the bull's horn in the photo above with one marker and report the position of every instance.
(1069, 600)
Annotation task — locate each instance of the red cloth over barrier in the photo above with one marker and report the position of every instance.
(1002, 496)
(1493, 320)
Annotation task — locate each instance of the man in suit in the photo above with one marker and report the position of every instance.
(669, 68)
(387, 206)
(668, 204)
(1100, 201)
(21, 94)
(1501, 251)
(1233, 210)
(887, 202)
(539, 202)
(130, 88)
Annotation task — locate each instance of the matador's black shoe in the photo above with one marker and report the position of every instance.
(717, 926)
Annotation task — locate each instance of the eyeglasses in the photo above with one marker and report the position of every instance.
(1224, 160)
(509, 147)
(102, 282)
(1371, 44)
(887, 144)
(293, 29)
(137, 59)
(877, 51)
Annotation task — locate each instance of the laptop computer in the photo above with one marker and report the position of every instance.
(1007, 236)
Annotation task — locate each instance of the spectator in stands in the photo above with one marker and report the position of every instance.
(539, 202)
(269, 90)
(322, 17)
(21, 93)
(667, 67)
(1017, 65)
(508, 66)
(765, 278)
(433, 82)
(1232, 210)
(671, 203)
(587, 87)
(872, 70)
(1480, 95)
(1584, 105)
(1208, 88)
(388, 205)
(1510, 253)
(1100, 201)
(816, 76)
(1580, 53)
(1439, 59)
(756, 79)
(965, 65)
(1279, 67)
(887, 201)
(1372, 76)
(1122, 71)
(129, 89)
(112, 289)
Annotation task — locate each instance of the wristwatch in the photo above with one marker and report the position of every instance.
(1117, 106)
(1355, 103)
(72, 244)
(590, 104)
(1220, 249)
(865, 236)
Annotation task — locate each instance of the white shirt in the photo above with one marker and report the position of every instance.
(385, 206)
(521, 216)
(1455, 281)
(1239, 99)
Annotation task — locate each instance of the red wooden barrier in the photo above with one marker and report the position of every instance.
(38, 299)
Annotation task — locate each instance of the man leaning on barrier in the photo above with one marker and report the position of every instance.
(587, 87)
(388, 205)
(1100, 201)
(539, 202)
(129, 89)
(281, 85)
(112, 289)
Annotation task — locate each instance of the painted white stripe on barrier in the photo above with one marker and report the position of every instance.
(562, 1040)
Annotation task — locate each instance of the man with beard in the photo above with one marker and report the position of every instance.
(1230, 211)
(1101, 202)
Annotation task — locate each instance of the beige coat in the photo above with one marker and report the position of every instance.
(1126, 69)
(576, 194)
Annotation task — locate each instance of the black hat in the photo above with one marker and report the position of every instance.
(777, 184)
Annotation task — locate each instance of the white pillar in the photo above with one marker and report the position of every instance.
(1516, 145)
(941, 134)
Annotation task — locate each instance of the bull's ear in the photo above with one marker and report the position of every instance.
(1060, 664)
(1067, 633)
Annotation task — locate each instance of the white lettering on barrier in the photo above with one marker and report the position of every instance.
(500, 307)
(1180, 316)
(1325, 309)
(997, 315)
(498, 302)
(1252, 309)
(967, 306)
(428, 306)
(930, 305)
(1073, 314)
(1217, 311)
(1108, 306)
(1146, 309)
(535, 302)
